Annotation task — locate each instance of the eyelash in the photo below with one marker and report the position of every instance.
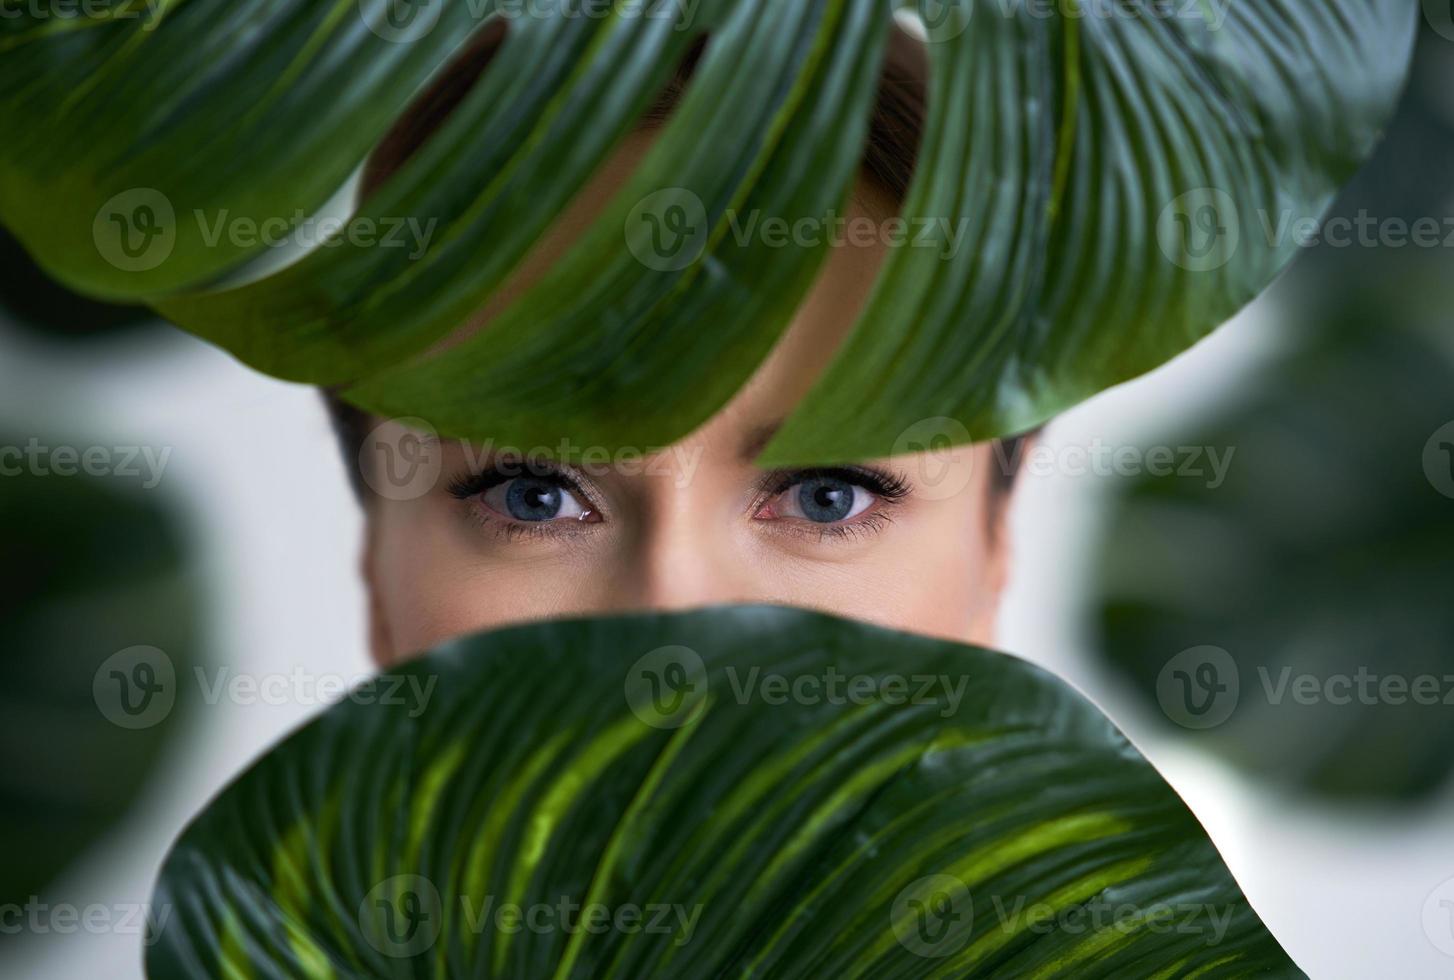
(889, 488)
(471, 486)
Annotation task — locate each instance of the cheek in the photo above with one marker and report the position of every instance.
(433, 583)
(929, 576)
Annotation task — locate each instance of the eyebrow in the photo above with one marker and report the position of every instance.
(758, 439)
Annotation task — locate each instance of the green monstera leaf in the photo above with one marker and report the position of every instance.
(100, 607)
(1091, 178)
(740, 791)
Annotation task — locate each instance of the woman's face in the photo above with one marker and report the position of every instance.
(914, 542)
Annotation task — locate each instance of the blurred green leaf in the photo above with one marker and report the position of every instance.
(937, 811)
(99, 607)
(1321, 567)
(31, 299)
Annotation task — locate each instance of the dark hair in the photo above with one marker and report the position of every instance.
(889, 158)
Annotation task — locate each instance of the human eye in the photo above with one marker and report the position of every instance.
(527, 497)
(840, 500)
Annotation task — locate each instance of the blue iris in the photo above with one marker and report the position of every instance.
(533, 499)
(825, 499)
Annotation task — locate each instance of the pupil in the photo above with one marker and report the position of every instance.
(825, 500)
(530, 499)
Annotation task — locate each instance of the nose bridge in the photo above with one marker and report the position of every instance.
(685, 555)
(686, 563)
